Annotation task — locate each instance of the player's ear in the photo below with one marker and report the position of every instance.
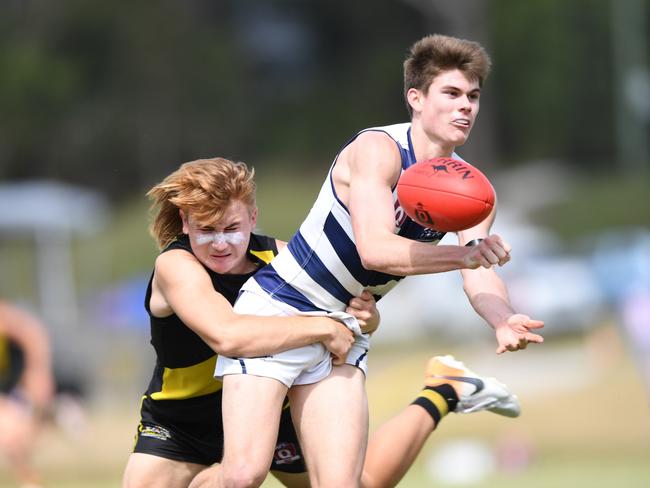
(414, 97)
(254, 216)
(186, 226)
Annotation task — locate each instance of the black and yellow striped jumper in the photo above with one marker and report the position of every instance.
(181, 409)
(12, 364)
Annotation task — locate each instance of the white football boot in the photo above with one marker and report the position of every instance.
(475, 393)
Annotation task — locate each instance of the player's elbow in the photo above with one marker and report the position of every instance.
(377, 253)
(370, 259)
(222, 341)
(228, 350)
(216, 343)
(226, 347)
(383, 263)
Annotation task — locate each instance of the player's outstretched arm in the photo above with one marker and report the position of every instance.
(489, 297)
(488, 293)
(187, 289)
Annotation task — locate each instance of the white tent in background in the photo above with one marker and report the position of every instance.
(52, 213)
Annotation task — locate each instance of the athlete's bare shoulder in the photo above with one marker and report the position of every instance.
(375, 141)
(370, 154)
(369, 151)
(171, 267)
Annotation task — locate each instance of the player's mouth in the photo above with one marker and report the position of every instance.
(219, 256)
(461, 123)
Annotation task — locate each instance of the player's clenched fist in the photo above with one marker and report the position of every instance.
(489, 252)
(339, 343)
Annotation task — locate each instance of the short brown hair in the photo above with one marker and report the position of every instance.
(436, 53)
(204, 188)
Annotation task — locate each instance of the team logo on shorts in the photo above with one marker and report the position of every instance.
(155, 431)
(285, 453)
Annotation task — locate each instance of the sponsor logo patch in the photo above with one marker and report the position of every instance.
(156, 432)
(285, 453)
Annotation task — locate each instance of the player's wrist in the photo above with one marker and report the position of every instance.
(330, 329)
(503, 321)
(468, 258)
(473, 242)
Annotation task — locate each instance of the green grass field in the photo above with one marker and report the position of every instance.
(585, 421)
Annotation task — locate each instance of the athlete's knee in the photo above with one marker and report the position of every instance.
(243, 475)
(206, 478)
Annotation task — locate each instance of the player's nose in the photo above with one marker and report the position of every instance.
(219, 245)
(465, 103)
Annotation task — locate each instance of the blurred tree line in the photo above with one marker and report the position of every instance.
(116, 95)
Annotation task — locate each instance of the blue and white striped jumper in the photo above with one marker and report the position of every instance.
(320, 269)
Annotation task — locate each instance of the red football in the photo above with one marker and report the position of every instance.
(445, 194)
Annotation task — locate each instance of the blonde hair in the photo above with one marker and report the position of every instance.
(436, 53)
(203, 188)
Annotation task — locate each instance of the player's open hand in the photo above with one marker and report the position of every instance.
(491, 251)
(364, 309)
(340, 342)
(515, 333)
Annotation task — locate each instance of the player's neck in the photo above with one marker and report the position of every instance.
(428, 146)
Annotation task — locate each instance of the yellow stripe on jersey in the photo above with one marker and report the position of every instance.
(437, 399)
(189, 382)
(265, 256)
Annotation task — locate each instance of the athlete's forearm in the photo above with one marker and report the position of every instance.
(403, 257)
(494, 309)
(252, 335)
(488, 295)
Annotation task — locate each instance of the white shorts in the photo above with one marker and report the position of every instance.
(300, 366)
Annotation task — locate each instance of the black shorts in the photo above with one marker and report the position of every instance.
(182, 439)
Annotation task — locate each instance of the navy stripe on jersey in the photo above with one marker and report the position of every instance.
(347, 253)
(408, 157)
(360, 358)
(280, 290)
(312, 264)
